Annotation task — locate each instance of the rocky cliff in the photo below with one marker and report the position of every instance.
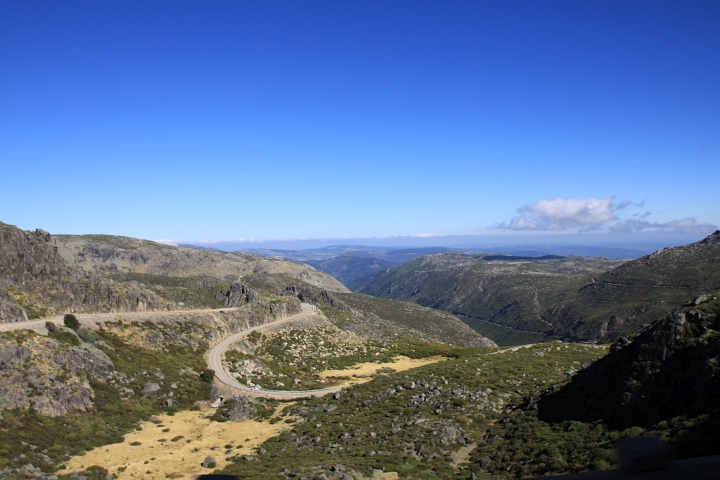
(669, 369)
(38, 278)
(49, 375)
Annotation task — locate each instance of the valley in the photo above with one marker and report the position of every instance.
(197, 361)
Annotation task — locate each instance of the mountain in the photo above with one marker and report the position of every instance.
(637, 292)
(351, 263)
(488, 290)
(668, 370)
(351, 266)
(116, 255)
(590, 299)
(38, 278)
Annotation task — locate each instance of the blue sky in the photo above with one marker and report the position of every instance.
(225, 120)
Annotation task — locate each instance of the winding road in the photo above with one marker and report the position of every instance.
(229, 385)
(215, 362)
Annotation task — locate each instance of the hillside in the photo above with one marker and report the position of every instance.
(372, 317)
(113, 255)
(669, 370)
(637, 292)
(352, 266)
(488, 290)
(37, 280)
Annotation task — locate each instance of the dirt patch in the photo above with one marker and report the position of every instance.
(364, 372)
(463, 455)
(176, 446)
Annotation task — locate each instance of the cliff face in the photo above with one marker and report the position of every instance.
(38, 278)
(46, 374)
(670, 368)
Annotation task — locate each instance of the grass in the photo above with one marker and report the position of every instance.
(26, 436)
(369, 429)
(296, 357)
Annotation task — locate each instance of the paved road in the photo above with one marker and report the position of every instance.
(92, 318)
(215, 362)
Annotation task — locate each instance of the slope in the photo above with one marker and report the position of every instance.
(37, 280)
(509, 291)
(372, 317)
(639, 291)
(115, 255)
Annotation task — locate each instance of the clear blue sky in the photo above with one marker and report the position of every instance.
(218, 120)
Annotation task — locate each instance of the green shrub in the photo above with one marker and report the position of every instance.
(71, 321)
(65, 337)
(207, 375)
(51, 327)
(86, 335)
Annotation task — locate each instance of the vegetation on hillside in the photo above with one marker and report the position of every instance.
(505, 291)
(167, 355)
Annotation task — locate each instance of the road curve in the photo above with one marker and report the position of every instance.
(214, 356)
(215, 362)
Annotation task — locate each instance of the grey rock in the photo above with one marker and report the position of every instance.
(209, 461)
(485, 462)
(154, 419)
(150, 389)
(701, 299)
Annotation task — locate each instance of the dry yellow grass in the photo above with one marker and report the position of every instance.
(363, 372)
(156, 459)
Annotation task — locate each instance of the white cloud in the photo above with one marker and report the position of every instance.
(593, 214)
(563, 213)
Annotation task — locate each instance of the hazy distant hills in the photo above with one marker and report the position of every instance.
(352, 266)
(351, 263)
(576, 297)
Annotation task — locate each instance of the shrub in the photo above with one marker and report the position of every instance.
(86, 335)
(71, 321)
(207, 375)
(52, 328)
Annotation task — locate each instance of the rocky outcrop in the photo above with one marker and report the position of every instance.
(38, 278)
(317, 297)
(50, 376)
(670, 368)
(239, 294)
